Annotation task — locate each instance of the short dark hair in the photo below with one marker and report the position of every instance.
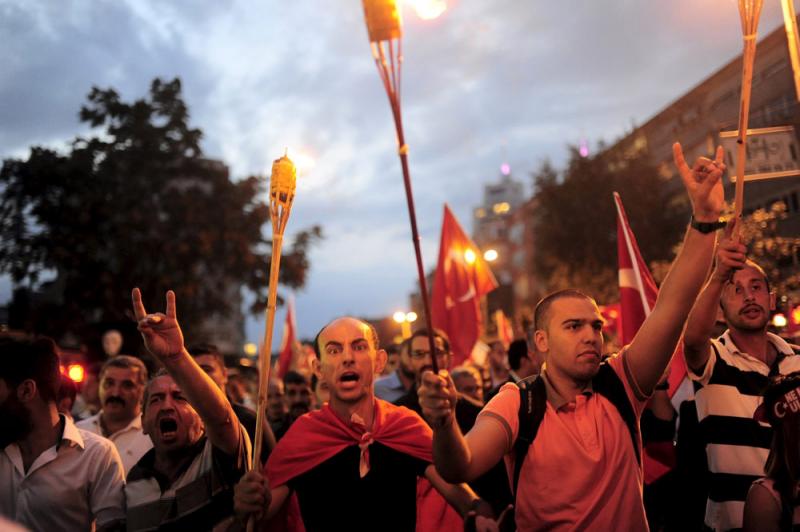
(516, 352)
(295, 377)
(373, 332)
(542, 313)
(35, 358)
(437, 333)
(125, 362)
(207, 349)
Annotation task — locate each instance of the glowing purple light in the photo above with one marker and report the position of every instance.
(584, 148)
(505, 169)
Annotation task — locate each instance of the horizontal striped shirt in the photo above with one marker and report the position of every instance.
(201, 498)
(727, 393)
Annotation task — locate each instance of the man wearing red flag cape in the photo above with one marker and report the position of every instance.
(354, 463)
(577, 461)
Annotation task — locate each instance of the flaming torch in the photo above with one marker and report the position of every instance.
(749, 12)
(385, 36)
(282, 184)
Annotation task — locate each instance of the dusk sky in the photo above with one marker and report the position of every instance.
(488, 82)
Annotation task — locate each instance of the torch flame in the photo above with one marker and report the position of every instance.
(428, 9)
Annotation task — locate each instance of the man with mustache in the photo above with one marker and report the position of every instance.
(53, 475)
(122, 381)
(199, 447)
(731, 374)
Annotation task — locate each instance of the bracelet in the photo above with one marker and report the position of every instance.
(706, 227)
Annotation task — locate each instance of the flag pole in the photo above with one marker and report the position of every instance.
(385, 35)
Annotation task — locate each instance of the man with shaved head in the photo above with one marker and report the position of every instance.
(354, 463)
(573, 439)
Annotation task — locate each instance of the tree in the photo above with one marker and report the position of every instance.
(576, 228)
(776, 253)
(137, 205)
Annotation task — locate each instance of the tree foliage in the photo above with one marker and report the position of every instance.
(137, 204)
(576, 228)
(778, 254)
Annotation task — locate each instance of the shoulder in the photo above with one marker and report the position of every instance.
(95, 443)
(763, 503)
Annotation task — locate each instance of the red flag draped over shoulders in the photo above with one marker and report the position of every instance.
(317, 436)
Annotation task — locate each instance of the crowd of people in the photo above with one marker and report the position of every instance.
(547, 434)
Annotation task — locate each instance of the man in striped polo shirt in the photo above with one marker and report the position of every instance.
(730, 376)
(200, 450)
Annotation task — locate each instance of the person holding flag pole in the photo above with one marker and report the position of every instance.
(570, 436)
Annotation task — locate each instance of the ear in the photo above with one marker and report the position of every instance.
(541, 340)
(144, 426)
(27, 390)
(380, 361)
(315, 367)
(773, 297)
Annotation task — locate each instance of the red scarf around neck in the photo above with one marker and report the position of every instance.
(317, 436)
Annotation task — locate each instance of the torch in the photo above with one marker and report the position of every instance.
(385, 36)
(282, 185)
(749, 11)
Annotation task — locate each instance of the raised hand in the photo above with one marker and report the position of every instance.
(438, 397)
(161, 332)
(703, 182)
(731, 253)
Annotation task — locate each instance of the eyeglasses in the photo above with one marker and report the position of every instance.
(419, 354)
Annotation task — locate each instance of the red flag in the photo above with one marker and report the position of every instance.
(637, 294)
(505, 332)
(286, 356)
(461, 278)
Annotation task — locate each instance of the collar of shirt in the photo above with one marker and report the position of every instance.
(135, 424)
(555, 398)
(783, 349)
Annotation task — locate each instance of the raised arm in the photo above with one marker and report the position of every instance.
(731, 256)
(652, 348)
(458, 458)
(164, 339)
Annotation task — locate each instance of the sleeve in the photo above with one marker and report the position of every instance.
(638, 399)
(705, 376)
(503, 409)
(232, 467)
(106, 491)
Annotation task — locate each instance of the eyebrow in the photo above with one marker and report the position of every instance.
(333, 344)
(581, 321)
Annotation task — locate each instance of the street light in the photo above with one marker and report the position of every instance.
(405, 319)
(490, 255)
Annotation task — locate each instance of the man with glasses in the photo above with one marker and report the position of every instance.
(493, 486)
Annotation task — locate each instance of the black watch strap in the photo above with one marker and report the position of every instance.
(707, 227)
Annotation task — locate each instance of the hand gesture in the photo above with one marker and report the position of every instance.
(161, 332)
(731, 253)
(251, 496)
(703, 182)
(438, 397)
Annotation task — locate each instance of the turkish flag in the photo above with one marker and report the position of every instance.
(286, 356)
(637, 294)
(461, 278)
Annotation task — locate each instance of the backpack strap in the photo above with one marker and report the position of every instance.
(608, 384)
(532, 405)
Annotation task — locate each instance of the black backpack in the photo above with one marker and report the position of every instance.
(533, 403)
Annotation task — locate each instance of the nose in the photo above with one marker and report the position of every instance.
(348, 355)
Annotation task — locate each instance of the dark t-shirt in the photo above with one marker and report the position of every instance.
(332, 496)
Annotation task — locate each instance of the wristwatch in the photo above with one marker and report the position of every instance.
(707, 227)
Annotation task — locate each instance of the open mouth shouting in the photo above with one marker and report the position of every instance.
(168, 429)
(349, 380)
